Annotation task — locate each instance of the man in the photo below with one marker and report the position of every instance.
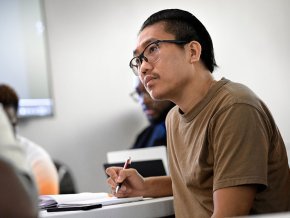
(155, 111)
(226, 155)
(43, 168)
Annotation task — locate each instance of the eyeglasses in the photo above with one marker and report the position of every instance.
(150, 54)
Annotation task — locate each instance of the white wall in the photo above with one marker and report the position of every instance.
(91, 43)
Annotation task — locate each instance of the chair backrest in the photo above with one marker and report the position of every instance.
(17, 193)
(66, 180)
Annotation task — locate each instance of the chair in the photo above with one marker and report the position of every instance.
(287, 145)
(17, 197)
(66, 181)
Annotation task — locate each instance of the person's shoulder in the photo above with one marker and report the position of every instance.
(172, 114)
(26, 143)
(173, 111)
(31, 148)
(234, 92)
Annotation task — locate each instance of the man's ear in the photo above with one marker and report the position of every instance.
(195, 51)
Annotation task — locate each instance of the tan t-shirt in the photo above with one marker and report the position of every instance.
(227, 139)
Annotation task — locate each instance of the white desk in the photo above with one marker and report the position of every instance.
(273, 215)
(156, 207)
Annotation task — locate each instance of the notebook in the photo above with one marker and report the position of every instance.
(81, 199)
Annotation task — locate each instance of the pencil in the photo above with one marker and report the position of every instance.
(126, 165)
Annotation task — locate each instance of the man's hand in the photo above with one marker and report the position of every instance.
(133, 184)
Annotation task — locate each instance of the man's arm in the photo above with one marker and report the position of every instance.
(158, 186)
(233, 201)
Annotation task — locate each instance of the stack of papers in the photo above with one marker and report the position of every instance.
(81, 199)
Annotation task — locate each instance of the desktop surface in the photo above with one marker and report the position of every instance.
(149, 207)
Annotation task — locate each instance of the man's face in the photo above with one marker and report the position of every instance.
(164, 78)
(153, 109)
(12, 116)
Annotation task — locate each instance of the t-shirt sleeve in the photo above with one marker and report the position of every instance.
(240, 140)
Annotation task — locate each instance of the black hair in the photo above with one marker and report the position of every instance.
(185, 26)
(8, 96)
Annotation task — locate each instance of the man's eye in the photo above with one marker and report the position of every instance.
(138, 61)
(152, 49)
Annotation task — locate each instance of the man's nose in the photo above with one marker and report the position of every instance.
(145, 66)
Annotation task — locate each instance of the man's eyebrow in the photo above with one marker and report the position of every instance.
(144, 44)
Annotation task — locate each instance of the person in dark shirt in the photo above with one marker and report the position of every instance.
(155, 111)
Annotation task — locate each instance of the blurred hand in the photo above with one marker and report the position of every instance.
(133, 184)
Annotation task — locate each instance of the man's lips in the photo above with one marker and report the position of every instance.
(147, 80)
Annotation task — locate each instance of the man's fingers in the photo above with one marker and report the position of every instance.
(111, 182)
(123, 174)
(113, 172)
(131, 181)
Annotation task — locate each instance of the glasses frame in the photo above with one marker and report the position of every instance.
(135, 96)
(141, 57)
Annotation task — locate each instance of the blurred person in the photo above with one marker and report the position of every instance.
(43, 168)
(226, 155)
(155, 133)
(18, 194)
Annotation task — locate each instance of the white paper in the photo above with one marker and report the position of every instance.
(86, 198)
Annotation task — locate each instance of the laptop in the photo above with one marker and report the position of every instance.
(146, 168)
(147, 161)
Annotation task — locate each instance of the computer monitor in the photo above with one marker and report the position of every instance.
(24, 63)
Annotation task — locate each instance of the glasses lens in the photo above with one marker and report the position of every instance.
(151, 53)
(135, 65)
